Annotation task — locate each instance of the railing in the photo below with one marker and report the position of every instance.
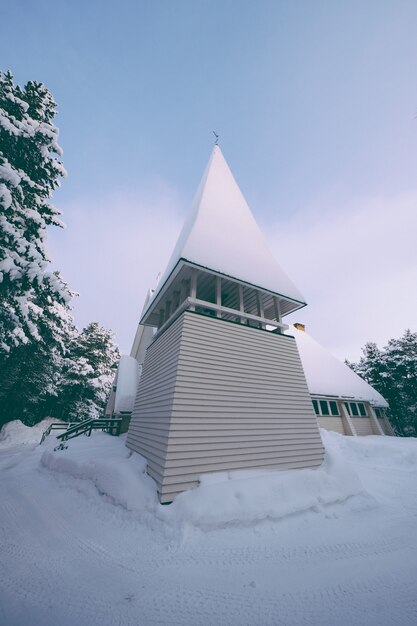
(110, 425)
(74, 429)
(54, 426)
(192, 303)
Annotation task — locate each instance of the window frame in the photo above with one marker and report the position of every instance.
(359, 409)
(318, 408)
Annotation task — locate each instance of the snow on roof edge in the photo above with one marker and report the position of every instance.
(326, 375)
(218, 207)
(159, 291)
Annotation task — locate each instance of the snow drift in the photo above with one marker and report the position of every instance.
(222, 499)
(325, 557)
(16, 433)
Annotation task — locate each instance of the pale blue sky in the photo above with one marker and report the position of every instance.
(315, 103)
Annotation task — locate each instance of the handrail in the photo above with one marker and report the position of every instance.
(73, 429)
(54, 426)
(193, 302)
(242, 314)
(112, 425)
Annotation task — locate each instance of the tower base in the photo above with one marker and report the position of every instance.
(219, 396)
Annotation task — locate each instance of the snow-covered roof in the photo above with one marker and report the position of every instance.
(327, 376)
(143, 336)
(127, 384)
(222, 235)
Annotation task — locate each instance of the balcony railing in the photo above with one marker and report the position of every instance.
(192, 304)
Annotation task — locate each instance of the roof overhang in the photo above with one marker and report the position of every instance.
(291, 304)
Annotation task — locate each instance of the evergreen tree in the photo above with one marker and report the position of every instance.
(31, 370)
(47, 366)
(87, 374)
(34, 303)
(393, 372)
(29, 173)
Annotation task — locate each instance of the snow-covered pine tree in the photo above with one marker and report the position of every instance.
(87, 374)
(32, 370)
(29, 172)
(400, 359)
(48, 367)
(392, 370)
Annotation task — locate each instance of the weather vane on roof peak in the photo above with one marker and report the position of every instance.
(216, 143)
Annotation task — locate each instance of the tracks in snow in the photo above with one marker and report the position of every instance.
(61, 564)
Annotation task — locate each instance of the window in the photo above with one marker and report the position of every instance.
(326, 407)
(334, 410)
(362, 410)
(356, 409)
(379, 412)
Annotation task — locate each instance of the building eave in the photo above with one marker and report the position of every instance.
(183, 261)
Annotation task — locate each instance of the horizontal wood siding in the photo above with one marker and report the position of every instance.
(362, 426)
(386, 426)
(149, 425)
(240, 401)
(331, 423)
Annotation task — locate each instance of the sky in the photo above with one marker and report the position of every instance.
(316, 107)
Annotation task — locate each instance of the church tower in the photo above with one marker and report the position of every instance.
(222, 388)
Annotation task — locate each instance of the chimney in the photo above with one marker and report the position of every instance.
(299, 326)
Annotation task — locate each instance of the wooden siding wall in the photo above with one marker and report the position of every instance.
(331, 423)
(362, 426)
(386, 427)
(218, 396)
(150, 421)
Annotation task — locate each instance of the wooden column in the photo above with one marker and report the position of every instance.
(277, 311)
(176, 300)
(193, 287)
(185, 290)
(260, 307)
(389, 428)
(376, 426)
(241, 304)
(347, 422)
(218, 294)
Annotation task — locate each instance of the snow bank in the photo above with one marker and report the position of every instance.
(222, 499)
(16, 433)
(238, 498)
(110, 466)
(375, 451)
(235, 498)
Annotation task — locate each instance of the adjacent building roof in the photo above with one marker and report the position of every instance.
(222, 235)
(327, 376)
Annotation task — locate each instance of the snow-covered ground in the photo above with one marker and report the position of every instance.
(83, 539)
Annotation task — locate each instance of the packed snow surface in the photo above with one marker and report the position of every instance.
(328, 376)
(222, 234)
(83, 539)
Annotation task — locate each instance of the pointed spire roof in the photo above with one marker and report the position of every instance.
(222, 235)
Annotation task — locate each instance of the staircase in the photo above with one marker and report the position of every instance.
(111, 425)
